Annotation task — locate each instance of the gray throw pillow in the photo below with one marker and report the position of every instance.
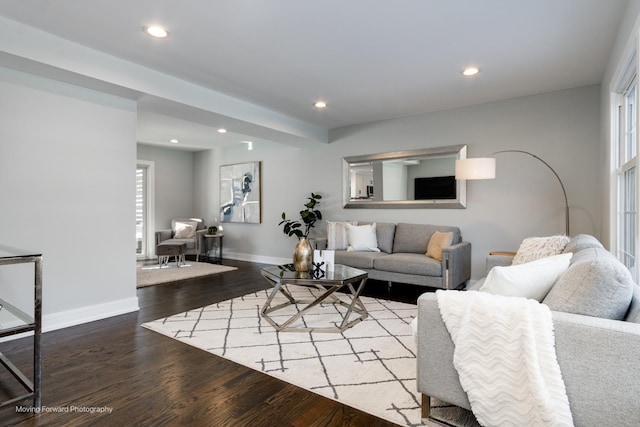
(596, 285)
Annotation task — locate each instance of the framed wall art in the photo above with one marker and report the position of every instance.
(240, 193)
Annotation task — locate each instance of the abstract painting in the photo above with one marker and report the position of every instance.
(240, 193)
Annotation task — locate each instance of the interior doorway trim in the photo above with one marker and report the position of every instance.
(149, 218)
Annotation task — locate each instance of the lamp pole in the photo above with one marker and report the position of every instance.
(564, 193)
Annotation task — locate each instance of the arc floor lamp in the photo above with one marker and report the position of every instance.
(485, 168)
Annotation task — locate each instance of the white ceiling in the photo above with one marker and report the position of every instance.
(368, 59)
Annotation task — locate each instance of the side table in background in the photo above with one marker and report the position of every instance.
(213, 242)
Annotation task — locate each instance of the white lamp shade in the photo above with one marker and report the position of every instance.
(477, 168)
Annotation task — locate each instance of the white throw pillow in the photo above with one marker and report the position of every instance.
(530, 280)
(337, 239)
(533, 248)
(185, 230)
(362, 237)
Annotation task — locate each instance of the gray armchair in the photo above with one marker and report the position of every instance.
(187, 230)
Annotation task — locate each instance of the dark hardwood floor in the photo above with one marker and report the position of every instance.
(147, 379)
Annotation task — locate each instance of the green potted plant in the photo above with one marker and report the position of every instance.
(303, 253)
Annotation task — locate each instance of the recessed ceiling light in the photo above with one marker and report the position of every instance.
(222, 130)
(320, 104)
(173, 141)
(470, 71)
(156, 31)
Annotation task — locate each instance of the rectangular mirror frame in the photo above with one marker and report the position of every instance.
(460, 151)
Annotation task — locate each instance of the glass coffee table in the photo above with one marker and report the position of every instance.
(348, 308)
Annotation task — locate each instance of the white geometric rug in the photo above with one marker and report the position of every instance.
(371, 366)
(152, 274)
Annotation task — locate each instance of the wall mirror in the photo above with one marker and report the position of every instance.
(405, 179)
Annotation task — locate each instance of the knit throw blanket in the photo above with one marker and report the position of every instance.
(506, 360)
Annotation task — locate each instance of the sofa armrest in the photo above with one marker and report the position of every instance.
(436, 375)
(456, 264)
(162, 235)
(598, 359)
(497, 260)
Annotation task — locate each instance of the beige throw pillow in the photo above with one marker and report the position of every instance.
(534, 248)
(438, 241)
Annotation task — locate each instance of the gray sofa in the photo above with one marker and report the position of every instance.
(599, 357)
(402, 256)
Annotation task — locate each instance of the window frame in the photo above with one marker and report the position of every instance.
(624, 165)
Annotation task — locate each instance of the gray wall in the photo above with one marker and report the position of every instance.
(524, 200)
(67, 186)
(174, 183)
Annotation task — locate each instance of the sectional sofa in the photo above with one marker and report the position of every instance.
(596, 317)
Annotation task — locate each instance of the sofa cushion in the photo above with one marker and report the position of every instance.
(580, 242)
(362, 237)
(533, 248)
(408, 263)
(337, 239)
(362, 260)
(385, 231)
(529, 280)
(438, 241)
(596, 284)
(414, 238)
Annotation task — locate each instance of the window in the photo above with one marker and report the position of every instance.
(626, 142)
(144, 209)
(141, 211)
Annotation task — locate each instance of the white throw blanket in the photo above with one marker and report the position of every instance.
(506, 360)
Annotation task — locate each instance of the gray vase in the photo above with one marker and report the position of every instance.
(302, 255)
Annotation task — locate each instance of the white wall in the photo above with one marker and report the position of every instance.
(67, 189)
(174, 183)
(525, 200)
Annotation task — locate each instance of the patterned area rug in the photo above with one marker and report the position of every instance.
(371, 366)
(152, 274)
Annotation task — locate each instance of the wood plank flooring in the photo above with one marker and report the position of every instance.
(147, 379)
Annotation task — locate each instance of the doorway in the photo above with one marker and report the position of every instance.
(144, 210)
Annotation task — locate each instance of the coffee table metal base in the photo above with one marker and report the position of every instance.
(355, 310)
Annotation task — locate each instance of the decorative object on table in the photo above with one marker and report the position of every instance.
(325, 259)
(318, 270)
(212, 230)
(485, 168)
(240, 193)
(303, 253)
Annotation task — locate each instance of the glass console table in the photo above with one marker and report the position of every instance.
(15, 321)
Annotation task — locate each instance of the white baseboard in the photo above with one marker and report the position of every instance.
(257, 258)
(77, 316)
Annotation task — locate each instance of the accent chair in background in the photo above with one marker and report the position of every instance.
(185, 230)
